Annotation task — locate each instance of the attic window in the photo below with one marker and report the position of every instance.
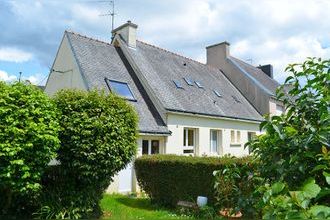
(236, 99)
(199, 84)
(217, 93)
(120, 88)
(178, 84)
(188, 81)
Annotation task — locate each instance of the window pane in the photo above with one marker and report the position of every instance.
(232, 136)
(121, 89)
(238, 137)
(145, 146)
(214, 141)
(184, 137)
(189, 81)
(190, 137)
(178, 84)
(155, 147)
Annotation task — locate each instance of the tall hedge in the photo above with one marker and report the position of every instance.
(98, 139)
(28, 140)
(168, 179)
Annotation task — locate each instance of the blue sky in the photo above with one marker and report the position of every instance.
(260, 31)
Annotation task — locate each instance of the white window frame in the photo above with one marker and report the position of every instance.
(185, 142)
(237, 142)
(150, 146)
(279, 109)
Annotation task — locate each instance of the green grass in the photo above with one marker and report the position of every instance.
(125, 207)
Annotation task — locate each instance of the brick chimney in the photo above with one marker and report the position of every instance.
(216, 54)
(128, 33)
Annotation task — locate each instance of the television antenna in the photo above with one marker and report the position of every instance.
(111, 12)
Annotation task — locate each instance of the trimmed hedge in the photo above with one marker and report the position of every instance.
(168, 179)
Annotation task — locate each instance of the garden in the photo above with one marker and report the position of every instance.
(90, 136)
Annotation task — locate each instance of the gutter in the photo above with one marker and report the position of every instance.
(231, 118)
(164, 133)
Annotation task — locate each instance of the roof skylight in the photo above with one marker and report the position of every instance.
(199, 84)
(236, 99)
(217, 93)
(178, 84)
(188, 81)
(120, 88)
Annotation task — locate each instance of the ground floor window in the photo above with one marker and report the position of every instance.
(235, 137)
(150, 147)
(189, 136)
(251, 136)
(214, 141)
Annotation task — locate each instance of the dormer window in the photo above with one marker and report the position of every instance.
(120, 88)
(217, 93)
(178, 84)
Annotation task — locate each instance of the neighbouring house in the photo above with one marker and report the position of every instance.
(185, 107)
(256, 83)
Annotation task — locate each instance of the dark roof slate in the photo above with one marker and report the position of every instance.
(99, 60)
(160, 67)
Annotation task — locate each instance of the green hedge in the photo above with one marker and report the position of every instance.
(168, 179)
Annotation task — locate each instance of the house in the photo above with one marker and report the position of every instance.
(256, 83)
(185, 107)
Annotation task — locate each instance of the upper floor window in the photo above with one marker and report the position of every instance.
(235, 137)
(120, 88)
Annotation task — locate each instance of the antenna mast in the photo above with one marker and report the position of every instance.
(111, 13)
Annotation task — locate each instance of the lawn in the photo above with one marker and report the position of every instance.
(125, 207)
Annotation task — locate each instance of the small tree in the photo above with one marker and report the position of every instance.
(289, 150)
(28, 141)
(98, 139)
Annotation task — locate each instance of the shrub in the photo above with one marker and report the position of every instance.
(234, 187)
(28, 141)
(98, 139)
(168, 179)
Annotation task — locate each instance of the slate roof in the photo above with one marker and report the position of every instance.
(98, 60)
(160, 67)
(264, 81)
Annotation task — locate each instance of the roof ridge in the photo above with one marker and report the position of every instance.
(84, 36)
(176, 54)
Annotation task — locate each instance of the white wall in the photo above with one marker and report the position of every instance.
(177, 123)
(65, 62)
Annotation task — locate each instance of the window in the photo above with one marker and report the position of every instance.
(235, 137)
(217, 93)
(251, 136)
(214, 141)
(178, 84)
(120, 88)
(150, 146)
(279, 109)
(199, 85)
(188, 140)
(145, 147)
(236, 99)
(188, 81)
(155, 147)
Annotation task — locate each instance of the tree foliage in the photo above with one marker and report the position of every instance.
(28, 141)
(289, 148)
(98, 139)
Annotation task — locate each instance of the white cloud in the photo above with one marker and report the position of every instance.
(36, 79)
(14, 55)
(4, 76)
